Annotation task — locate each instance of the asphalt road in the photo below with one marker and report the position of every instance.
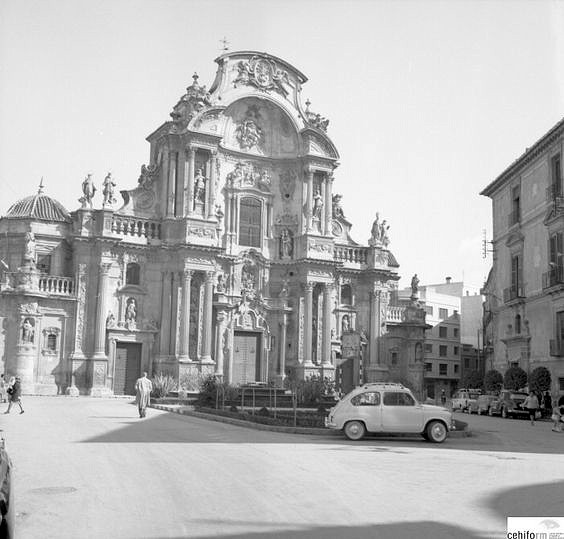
(89, 467)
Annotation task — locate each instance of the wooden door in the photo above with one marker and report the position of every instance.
(127, 368)
(246, 364)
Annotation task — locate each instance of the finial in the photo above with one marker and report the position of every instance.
(225, 44)
(195, 77)
(40, 191)
(308, 103)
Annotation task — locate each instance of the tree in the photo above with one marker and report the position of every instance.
(515, 378)
(539, 379)
(493, 381)
(472, 380)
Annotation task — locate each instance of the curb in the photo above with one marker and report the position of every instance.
(272, 428)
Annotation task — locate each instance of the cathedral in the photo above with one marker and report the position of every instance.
(230, 255)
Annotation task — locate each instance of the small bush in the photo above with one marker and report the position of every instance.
(213, 390)
(515, 378)
(312, 390)
(540, 379)
(493, 381)
(163, 384)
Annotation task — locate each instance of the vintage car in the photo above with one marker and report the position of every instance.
(481, 405)
(464, 398)
(388, 408)
(7, 511)
(509, 404)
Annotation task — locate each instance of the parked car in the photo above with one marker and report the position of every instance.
(509, 404)
(7, 511)
(388, 408)
(464, 398)
(481, 405)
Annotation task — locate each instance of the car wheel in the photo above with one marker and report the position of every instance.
(436, 432)
(425, 435)
(355, 430)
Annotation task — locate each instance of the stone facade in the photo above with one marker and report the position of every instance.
(231, 256)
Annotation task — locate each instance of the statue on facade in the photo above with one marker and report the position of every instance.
(110, 320)
(131, 311)
(28, 331)
(199, 188)
(286, 244)
(29, 252)
(109, 190)
(384, 233)
(317, 206)
(337, 209)
(88, 191)
(220, 286)
(414, 286)
(375, 232)
(345, 324)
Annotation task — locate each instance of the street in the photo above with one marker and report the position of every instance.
(88, 467)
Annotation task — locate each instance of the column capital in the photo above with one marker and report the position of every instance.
(213, 153)
(105, 268)
(187, 274)
(308, 287)
(209, 276)
(329, 287)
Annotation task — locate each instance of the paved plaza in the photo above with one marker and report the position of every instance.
(88, 467)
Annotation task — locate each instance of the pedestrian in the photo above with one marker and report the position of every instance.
(14, 392)
(531, 403)
(143, 388)
(443, 397)
(556, 418)
(547, 404)
(3, 388)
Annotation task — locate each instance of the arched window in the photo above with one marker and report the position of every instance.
(518, 324)
(249, 222)
(346, 294)
(132, 273)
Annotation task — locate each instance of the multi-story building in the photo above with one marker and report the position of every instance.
(527, 280)
(229, 255)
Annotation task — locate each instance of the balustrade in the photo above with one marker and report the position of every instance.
(356, 255)
(62, 286)
(135, 227)
(394, 313)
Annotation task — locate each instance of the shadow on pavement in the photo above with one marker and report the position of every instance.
(403, 530)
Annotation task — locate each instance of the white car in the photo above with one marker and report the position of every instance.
(465, 400)
(388, 408)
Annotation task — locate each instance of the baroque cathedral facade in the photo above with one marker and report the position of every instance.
(231, 256)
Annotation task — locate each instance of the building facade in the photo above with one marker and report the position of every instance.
(526, 284)
(231, 255)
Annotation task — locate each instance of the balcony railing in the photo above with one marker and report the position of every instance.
(556, 348)
(355, 255)
(513, 292)
(554, 276)
(135, 227)
(554, 193)
(38, 282)
(60, 286)
(395, 313)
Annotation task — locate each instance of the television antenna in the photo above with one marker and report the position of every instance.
(487, 245)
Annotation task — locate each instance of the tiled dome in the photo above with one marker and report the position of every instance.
(39, 206)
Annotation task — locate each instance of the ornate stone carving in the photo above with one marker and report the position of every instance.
(249, 131)
(29, 308)
(201, 232)
(88, 192)
(247, 174)
(195, 100)
(99, 372)
(263, 73)
(28, 331)
(315, 120)
(287, 183)
(337, 209)
(286, 244)
(149, 174)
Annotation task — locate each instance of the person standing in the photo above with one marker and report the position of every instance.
(143, 388)
(15, 392)
(531, 403)
(3, 388)
(443, 397)
(547, 404)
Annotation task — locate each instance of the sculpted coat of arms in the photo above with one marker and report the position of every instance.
(262, 73)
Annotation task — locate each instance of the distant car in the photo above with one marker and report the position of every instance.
(509, 404)
(482, 404)
(464, 398)
(388, 408)
(7, 511)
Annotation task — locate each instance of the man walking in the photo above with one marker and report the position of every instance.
(14, 392)
(143, 388)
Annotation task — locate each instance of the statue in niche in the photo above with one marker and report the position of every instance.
(345, 324)
(265, 179)
(337, 209)
(131, 311)
(414, 286)
(88, 191)
(29, 252)
(110, 320)
(109, 190)
(220, 286)
(286, 244)
(199, 188)
(317, 205)
(28, 331)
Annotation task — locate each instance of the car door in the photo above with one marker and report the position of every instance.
(401, 413)
(367, 408)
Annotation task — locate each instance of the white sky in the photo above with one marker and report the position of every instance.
(428, 101)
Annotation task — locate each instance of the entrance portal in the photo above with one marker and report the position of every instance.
(127, 367)
(246, 358)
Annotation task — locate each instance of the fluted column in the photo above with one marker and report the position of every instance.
(164, 347)
(211, 184)
(208, 312)
(171, 184)
(328, 204)
(309, 201)
(184, 343)
(283, 330)
(221, 324)
(326, 357)
(190, 186)
(374, 325)
(101, 312)
(308, 320)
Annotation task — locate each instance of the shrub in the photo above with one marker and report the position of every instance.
(311, 391)
(191, 381)
(515, 378)
(493, 381)
(163, 384)
(213, 390)
(540, 379)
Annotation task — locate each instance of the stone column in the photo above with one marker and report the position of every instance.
(208, 312)
(183, 345)
(101, 312)
(328, 204)
(309, 201)
(308, 320)
(165, 317)
(181, 184)
(171, 184)
(211, 185)
(236, 228)
(326, 356)
(282, 347)
(374, 326)
(164, 184)
(190, 186)
(221, 325)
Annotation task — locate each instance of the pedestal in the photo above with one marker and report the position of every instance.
(24, 367)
